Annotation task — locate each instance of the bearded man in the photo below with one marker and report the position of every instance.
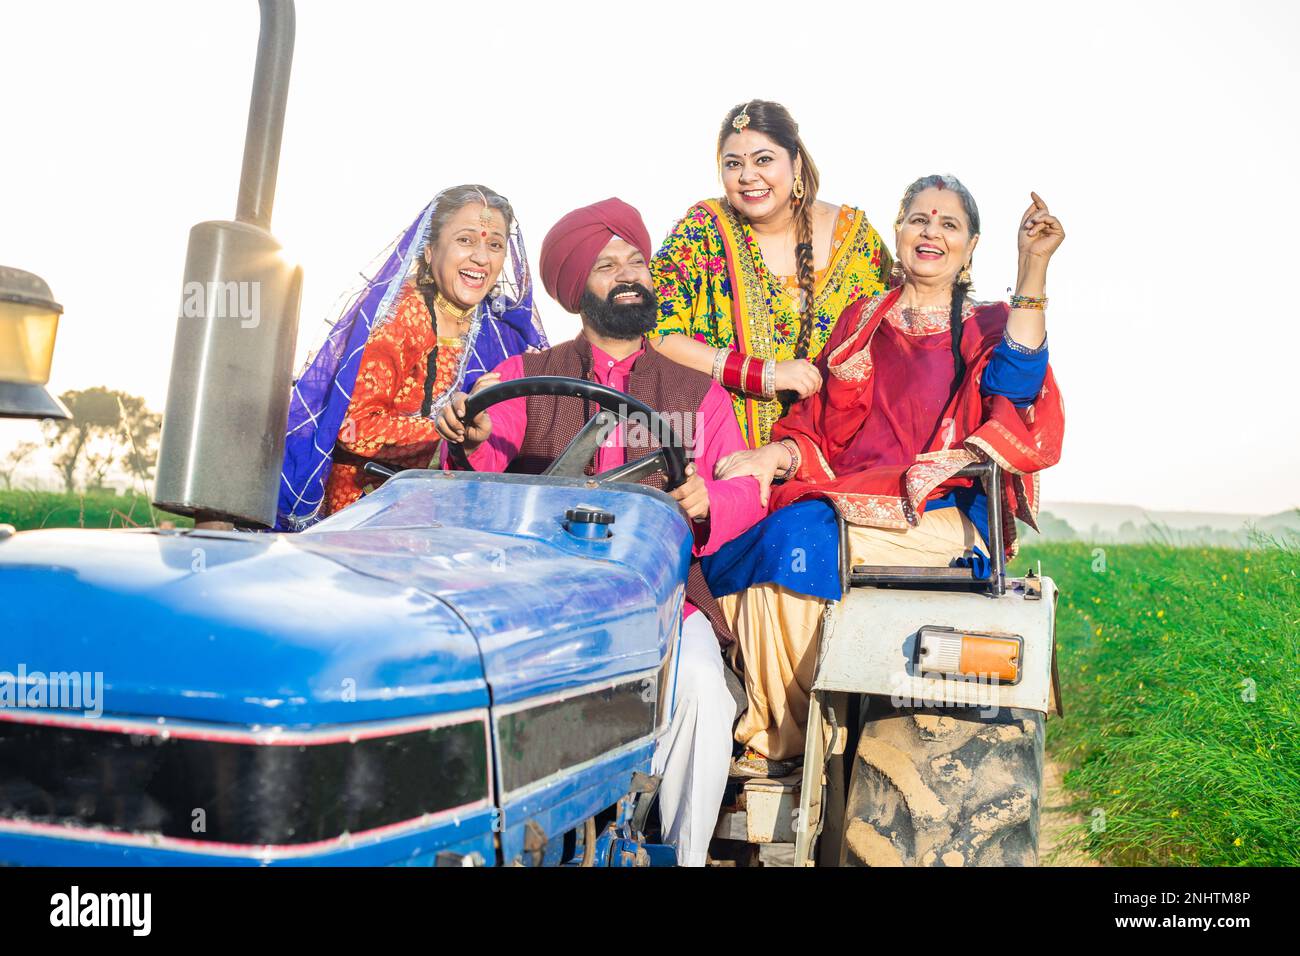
(594, 262)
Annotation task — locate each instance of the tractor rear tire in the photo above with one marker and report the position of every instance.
(944, 787)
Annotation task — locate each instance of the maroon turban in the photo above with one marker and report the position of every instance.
(574, 243)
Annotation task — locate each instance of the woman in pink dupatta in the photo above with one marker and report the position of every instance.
(918, 383)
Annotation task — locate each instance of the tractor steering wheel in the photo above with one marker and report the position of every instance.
(670, 458)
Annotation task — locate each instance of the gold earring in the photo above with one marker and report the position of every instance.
(963, 277)
(896, 275)
(799, 189)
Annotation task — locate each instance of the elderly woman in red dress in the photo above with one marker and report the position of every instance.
(448, 299)
(918, 383)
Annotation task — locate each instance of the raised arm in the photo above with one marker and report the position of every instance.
(1039, 236)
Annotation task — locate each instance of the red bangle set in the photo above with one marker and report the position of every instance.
(733, 372)
(744, 373)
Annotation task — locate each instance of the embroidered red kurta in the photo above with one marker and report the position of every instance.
(840, 430)
(383, 421)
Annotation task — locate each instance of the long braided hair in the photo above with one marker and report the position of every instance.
(775, 122)
(960, 289)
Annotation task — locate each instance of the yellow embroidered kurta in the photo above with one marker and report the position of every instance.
(713, 285)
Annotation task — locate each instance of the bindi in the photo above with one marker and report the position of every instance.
(934, 212)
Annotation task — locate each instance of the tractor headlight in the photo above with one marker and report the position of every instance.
(988, 657)
(29, 321)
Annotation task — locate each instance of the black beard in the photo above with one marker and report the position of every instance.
(613, 320)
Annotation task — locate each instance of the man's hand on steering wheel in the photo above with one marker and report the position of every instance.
(451, 420)
(669, 459)
(693, 495)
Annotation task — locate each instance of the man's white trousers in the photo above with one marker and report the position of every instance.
(694, 754)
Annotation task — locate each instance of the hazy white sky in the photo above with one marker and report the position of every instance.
(1163, 134)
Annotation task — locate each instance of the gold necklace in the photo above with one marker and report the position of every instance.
(456, 312)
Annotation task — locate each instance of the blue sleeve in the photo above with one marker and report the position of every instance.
(1015, 371)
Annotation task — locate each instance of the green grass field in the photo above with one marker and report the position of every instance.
(28, 510)
(1180, 671)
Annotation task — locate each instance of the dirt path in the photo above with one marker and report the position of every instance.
(1054, 820)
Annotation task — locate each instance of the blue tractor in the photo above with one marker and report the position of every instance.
(460, 669)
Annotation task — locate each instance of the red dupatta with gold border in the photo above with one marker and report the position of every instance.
(1022, 441)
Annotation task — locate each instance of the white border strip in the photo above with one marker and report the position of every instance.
(270, 851)
(270, 737)
(156, 841)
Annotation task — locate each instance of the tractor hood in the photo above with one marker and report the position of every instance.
(420, 599)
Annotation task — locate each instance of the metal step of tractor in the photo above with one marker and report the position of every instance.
(763, 812)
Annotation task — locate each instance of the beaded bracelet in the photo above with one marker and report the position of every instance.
(769, 378)
(1028, 301)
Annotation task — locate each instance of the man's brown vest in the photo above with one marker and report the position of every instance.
(553, 421)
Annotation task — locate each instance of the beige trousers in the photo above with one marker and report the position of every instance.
(777, 630)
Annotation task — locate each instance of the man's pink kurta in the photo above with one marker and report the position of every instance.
(733, 504)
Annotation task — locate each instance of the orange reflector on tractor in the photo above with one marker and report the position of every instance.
(970, 654)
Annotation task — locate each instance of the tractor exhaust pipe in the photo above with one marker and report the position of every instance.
(228, 397)
(266, 114)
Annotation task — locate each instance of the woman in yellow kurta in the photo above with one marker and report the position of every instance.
(750, 285)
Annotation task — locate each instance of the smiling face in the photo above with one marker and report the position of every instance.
(758, 175)
(619, 301)
(466, 258)
(933, 239)
(619, 266)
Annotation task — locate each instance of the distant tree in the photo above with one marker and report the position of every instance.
(1054, 528)
(11, 461)
(106, 427)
